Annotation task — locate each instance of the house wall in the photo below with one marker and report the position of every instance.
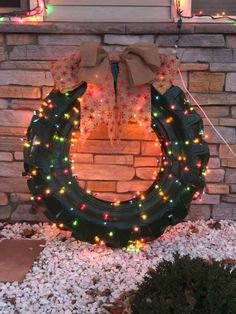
(208, 55)
(109, 10)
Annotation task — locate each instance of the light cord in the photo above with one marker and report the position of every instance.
(205, 115)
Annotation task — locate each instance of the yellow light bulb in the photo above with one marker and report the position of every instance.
(34, 172)
(169, 120)
(96, 238)
(144, 216)
(62, 190)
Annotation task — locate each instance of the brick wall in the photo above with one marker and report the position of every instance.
(116, 172)
(208, 54)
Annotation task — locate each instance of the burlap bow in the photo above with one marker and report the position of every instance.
(140, 65)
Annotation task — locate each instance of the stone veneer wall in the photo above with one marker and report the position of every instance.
(208, 54)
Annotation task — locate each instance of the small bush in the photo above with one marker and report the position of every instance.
(187, 286)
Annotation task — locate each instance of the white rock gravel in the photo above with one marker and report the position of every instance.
(71, 277)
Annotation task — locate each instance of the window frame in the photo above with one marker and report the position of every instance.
(24, 6)
(186, 6)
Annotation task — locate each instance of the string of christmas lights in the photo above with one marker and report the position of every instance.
(181, 16)
(179, 26)
(37, 10)
(217, 16)
(49, 166)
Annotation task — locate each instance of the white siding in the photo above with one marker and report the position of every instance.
(109, 10)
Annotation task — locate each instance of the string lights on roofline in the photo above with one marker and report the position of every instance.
(37, 10)
(217, 16)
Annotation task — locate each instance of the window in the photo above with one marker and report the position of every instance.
(214, 6)
(8, 6)
(208, 7)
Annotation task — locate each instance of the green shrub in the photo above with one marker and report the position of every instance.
(187, 286)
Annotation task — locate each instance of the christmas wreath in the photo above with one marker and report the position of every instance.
(82, 80)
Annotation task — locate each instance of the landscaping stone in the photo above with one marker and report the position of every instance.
(82, 158)
(231, 41)
(227, 132)
(193, 66)
(18, 156)
(205, 55)
(146, 173)
(8, 143)
(127, 39)
(230, 163)
(196, 40)
(146, 161)
(230, 176)
(216, 111)
(206, 82)
(13, 185)
(233, 188)
(5, 213)
(19, 197)
(215, 175)
(225, 152)
(20, 92)
(26, 104)
(150, 149)
(15, 118)
(20, 39)
(215, 99)
(214, 163)
(13, 169)
(11, 131)
(67, 40)
(108, 186)
(2, 54)
(26, 65)
(25, 212)
(42, 52)
(233, 111)
(230, 82)
(4, 103)
(199, 212)
(217, 188)
(135, 185)
(99, 172)
(224, 211)
(223, 67)
(67, 28)
(231, 198)
(72, 276)
(96, 146)
(113, 197)
(23, 77)
(17, 257)
(207, 199)
(227, 122)
(3, 199)
(5, 156)
(114, 159)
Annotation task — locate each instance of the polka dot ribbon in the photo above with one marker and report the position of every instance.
(140, 66)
